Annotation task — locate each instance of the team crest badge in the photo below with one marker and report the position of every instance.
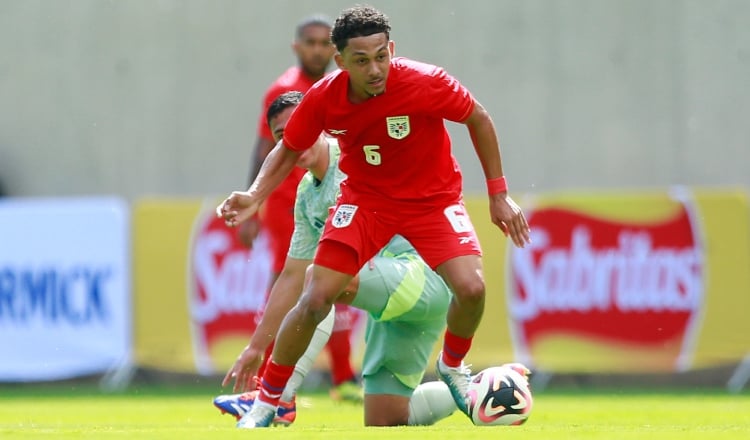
(343, 216)
(398, 126)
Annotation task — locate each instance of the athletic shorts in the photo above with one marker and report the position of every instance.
(439, 233)
(401, 336)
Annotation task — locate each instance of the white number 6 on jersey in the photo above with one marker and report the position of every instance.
(372, 155)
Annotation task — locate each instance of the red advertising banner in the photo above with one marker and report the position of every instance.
(619, 282)
(227, 285)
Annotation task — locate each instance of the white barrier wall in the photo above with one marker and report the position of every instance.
(65, 306)
(161, 97)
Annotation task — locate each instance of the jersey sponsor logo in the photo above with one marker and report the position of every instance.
(335, 132)
(398, 126)
(343, 216)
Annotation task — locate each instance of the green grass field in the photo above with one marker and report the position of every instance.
(154, 413)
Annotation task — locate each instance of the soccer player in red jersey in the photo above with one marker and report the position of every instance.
(313, 48)
(388, 115)
(314, 51)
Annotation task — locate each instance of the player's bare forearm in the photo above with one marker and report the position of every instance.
(284, 295)
(276, 167)
(241, 205)
(263, 146)
(504, 212)
(484, 137)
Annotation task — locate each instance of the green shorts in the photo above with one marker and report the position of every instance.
(385, 382)
(400, 336)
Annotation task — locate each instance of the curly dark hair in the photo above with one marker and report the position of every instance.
(281, 103)
(359, 21)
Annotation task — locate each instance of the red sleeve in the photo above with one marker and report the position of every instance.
(449, 98)
(306, 122)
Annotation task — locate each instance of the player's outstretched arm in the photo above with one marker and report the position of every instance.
(263, 147)
(248, 230)
(284, 295)
(505, 213)
(241, 205)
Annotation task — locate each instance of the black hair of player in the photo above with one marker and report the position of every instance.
(359, 21)
(281, 103)
(312, 20)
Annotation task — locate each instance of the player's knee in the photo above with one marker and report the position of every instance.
(470, 290)
(308, 274)
(314, 305)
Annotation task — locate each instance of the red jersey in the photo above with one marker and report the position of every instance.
(277, 215)
(292, 79)
(394, 146)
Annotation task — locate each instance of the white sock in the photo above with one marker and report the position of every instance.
(262, 404)
(431, 401)
(305, 363)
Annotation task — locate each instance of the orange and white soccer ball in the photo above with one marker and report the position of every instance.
(500, 396)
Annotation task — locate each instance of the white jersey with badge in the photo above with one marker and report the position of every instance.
(314, 198)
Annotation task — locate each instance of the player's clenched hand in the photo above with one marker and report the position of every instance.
(509, 218)
(237, 208)
(244, 370)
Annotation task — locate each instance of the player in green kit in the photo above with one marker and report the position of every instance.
(406, 303)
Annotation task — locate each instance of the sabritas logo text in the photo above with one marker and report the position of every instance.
(597, 283)
(228, 285)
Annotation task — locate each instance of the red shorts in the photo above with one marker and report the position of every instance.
(438, 232)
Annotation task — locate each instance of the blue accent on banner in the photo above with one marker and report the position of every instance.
(56, 295)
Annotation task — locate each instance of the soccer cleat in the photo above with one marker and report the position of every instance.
(457, 380)
(259, 416)
(348, 392)
(286, 413)
(239, 404)
(235, 404)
